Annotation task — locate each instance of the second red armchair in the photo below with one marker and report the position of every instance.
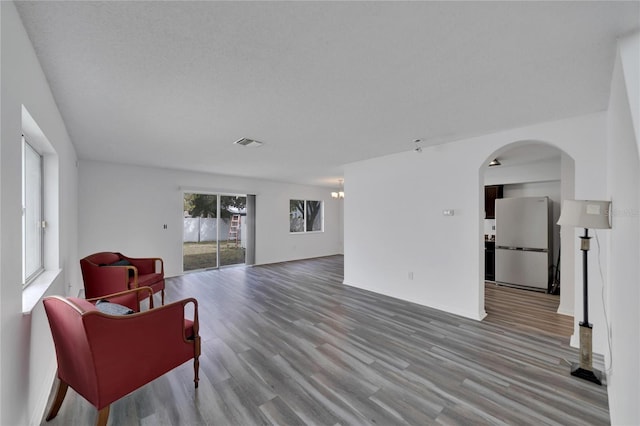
(111, 272)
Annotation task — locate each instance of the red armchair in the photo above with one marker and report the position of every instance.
(90, 345)
(109, 272)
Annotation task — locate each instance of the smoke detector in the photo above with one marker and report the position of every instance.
(248, 142)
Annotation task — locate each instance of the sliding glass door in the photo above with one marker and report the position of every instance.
(233, 242)
(200, 236)
(214, 232)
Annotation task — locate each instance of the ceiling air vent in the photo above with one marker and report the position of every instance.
(248, 142)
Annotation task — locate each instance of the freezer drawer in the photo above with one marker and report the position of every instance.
(523, 268)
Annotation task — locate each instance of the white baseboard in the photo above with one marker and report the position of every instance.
(40, 404)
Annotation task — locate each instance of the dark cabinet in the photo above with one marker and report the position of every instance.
(489, 261)
(491, 193)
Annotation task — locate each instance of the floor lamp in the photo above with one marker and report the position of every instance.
(585, 214)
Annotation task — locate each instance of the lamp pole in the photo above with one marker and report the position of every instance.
(584, 246)
(584, 369)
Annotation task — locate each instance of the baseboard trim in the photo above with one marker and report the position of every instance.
(40, 405)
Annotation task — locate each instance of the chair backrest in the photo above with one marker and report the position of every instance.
(102, 258)
(75, 361)
(99, 280)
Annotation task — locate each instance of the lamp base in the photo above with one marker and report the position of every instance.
(592, 376)
(584, 369)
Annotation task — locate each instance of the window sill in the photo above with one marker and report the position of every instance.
(33, 293)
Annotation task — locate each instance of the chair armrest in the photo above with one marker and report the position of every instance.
(129, 298)
(146, 265)
(158, 322)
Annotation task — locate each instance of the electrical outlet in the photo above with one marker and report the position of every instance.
(411, 276)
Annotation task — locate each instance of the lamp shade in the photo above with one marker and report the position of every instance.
(585, 214)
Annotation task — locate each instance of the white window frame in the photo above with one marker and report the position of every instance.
(304, 217)
(35, 289)
(32, 213)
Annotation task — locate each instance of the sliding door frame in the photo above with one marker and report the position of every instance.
(250, 243)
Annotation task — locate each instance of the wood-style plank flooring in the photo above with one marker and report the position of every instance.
(525, 310)
(288, 344)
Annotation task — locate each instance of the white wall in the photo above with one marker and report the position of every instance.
(567, 240)
(623, 286)
(445, 252)
(110, 194)
(27, 364)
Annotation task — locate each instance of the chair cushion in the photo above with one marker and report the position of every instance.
(148, 279)
(122, 262)
(110, 308)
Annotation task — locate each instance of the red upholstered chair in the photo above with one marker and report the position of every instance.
(110, 272)
(105, 357)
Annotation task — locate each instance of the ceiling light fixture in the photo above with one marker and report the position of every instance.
(339, 194)
(252, 143)
(495, 162)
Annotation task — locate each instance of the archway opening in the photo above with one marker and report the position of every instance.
(517, 280)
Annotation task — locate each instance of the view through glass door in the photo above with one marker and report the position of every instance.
(214, 230)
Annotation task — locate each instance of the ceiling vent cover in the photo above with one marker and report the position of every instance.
(248, 142)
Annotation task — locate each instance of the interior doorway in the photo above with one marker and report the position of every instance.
(532, 169)
(214, 230)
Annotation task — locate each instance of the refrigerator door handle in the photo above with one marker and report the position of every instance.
(538, 250)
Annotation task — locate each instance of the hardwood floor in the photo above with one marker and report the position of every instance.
(288, 344)
(525, 310)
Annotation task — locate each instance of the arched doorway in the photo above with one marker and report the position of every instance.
(534, 169)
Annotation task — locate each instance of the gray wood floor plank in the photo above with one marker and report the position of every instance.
(279, 413)
(289, 390)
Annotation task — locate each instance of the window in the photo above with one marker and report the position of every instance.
(305, 216)
(32, 222)
(39, 165)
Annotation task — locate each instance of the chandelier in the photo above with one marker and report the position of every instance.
(340, 193)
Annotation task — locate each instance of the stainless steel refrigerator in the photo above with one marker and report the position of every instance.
(523, 251)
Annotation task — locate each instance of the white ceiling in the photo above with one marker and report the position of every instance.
(322, 84)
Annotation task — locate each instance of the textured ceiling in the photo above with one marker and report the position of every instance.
(174, 84)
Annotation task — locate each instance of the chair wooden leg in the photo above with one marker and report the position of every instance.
(196, 351)
(163, 297)
(103, 416)
(196, 367)
(57, 402)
